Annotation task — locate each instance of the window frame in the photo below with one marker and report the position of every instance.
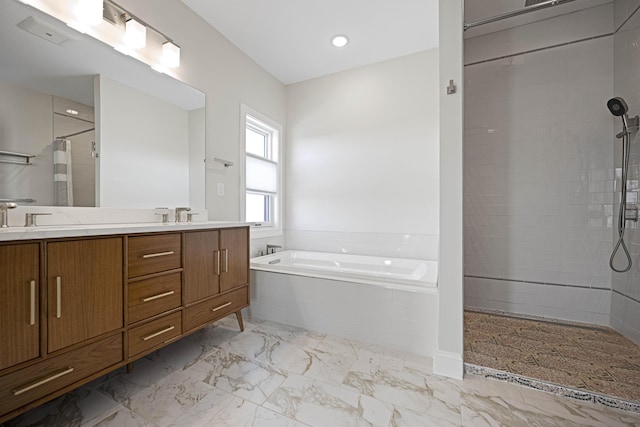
(273, 130)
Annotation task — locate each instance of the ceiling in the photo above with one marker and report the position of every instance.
(291, 38)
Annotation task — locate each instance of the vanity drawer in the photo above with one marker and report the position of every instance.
(31, 383)
(149, 335)
(154, 296)
(216, 308)
(153, 254)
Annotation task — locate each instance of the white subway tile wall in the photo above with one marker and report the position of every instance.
(539, 169)
(625, 302)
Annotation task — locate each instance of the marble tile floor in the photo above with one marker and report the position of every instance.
(587, 358)
(276, 375)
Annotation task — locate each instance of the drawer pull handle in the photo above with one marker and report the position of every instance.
(166, 294)
(164, 331)
(220, 307)
(226, 260)
(42, 381)
(157, 254)
(58, 297)
(32, 304)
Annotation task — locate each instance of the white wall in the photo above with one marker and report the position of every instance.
(362, 160)
(144, 149)
(448, 358)
(26, 126)
(212, 64)
(625, 300)
(539, 170)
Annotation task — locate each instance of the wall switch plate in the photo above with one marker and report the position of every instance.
(220, 189)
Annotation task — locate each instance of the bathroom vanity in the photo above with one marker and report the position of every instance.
(78, 302)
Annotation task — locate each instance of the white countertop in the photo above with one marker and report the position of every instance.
(58, 231)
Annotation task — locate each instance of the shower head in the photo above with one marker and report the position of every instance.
(617, 106)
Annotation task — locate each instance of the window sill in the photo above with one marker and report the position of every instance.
(261, 232)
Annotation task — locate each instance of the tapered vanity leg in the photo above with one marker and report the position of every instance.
(129, 368)
(239, 317)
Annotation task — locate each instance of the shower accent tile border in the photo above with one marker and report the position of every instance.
(564, 285)
(626, 296)
(571, 393)
(536, 318)
(540, 49)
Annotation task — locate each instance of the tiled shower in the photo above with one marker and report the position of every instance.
(542, 168)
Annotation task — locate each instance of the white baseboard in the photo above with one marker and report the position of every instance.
(448, 364)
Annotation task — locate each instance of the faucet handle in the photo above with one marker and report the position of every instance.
(30, 218)
(165, 216)
(190, 216)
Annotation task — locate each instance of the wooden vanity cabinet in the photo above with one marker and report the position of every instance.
(73, 309)
(19, 303)
(85, 288)
(216, 264)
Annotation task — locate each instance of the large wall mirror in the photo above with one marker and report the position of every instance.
(84, 125)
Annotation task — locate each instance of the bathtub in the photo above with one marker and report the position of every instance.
(386, 301)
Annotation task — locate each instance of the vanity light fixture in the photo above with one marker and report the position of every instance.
(135, 34)
(170, 55)
(89, 12)
(340, 41)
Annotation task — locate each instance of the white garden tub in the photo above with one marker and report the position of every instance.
(381, 300)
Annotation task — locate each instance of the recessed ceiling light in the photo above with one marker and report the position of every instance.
(339, 41)
(73, 112)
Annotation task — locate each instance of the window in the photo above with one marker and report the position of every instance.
(262, 172)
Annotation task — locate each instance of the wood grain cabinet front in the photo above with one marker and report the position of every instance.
(36, 381)
(153, 254)
(149, 297)
(154, 333)
(216, 308)
(19, 303)
(215, 261)
(85, 290)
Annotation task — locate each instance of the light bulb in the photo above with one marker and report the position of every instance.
(89, 12)
(170, 55)
(340, 41)
(135, 35)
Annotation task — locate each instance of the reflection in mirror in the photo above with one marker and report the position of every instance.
(147, 166)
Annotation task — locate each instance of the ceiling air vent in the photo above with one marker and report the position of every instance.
(44, 30)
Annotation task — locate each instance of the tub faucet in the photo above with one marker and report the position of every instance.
(271, 249)
(4, 214)
(179, 213)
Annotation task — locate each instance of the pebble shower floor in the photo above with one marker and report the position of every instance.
(584, 357)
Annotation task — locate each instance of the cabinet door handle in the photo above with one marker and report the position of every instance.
(43, 381)
(220, 307)
(58, 297)
(217, 268)
(155, 334)
(157, 254)
(166, 294)
(32, 303)
(226, 260)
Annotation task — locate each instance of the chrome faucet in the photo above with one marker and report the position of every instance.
(271, 249)
(179, 213)
(4, 214)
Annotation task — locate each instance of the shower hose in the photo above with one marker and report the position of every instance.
(626, 149)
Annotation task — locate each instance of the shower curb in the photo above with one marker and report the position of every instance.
(564, 391)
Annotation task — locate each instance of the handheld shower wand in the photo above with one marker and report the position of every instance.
(619, 108)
